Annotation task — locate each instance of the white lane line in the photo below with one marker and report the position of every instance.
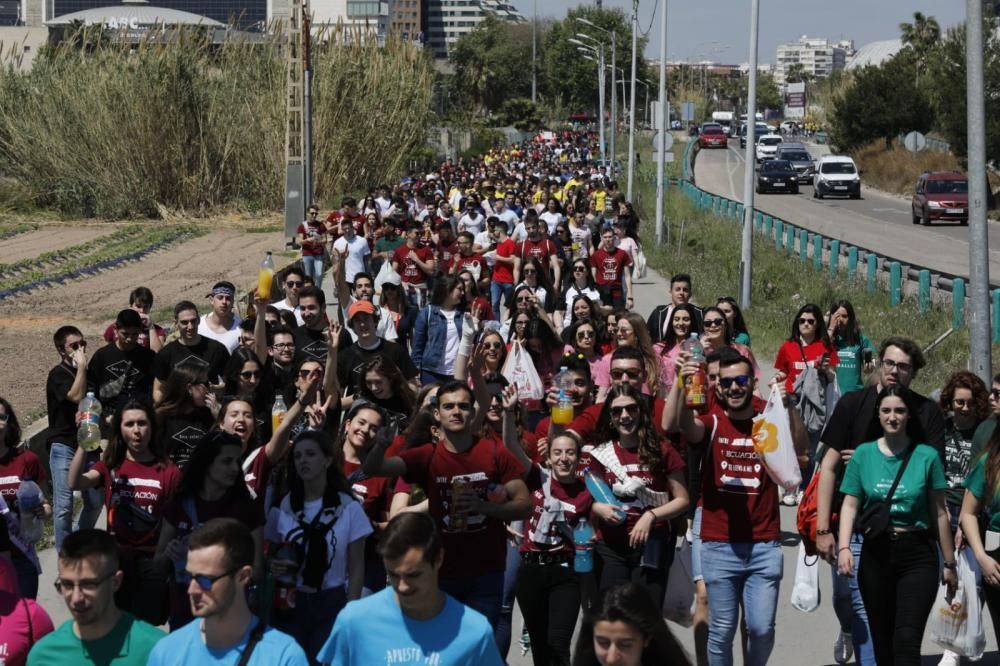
(890, 210)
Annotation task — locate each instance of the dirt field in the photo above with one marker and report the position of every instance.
(183, 271)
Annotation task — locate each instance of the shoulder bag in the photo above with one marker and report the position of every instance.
(877, 518)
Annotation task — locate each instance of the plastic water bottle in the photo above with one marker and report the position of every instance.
(278, 412)
(88, 433)
(562, 412)
(29, 498)
(695, 386)
(583, 559)
(601, 492)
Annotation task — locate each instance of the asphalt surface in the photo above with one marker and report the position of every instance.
(878, 221)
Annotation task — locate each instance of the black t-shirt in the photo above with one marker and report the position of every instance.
(311, 344)
(62, 412)
(351, 359)
(110, 365)
(207, 353)
(855, 421)
(182, 432)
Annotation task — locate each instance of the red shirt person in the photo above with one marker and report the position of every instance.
(473, 487)
(413, 263)
(808, 346)
(608, 264)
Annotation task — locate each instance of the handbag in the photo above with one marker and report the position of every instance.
(875, 520)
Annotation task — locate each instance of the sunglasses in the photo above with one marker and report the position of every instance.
(250, 374)
(579, 269)
(631, 410)
(631, 373)
(305, 374)
(585, 335)
(807, 320)
(204, 581)
(492, 345)
(82, 344)
(995, 393)
(741, 380)
(712, 323)
(291, 284)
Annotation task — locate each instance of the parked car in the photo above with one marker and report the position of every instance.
(838, 175)
(713, 136)
(941, 195)
(799, 156)
(767, 147)
(777, 176)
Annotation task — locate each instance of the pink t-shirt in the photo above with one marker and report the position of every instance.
(17, 632)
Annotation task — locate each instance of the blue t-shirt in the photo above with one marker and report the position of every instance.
(185, 647)
(374, 630)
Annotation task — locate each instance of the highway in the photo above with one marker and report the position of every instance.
(878, 221)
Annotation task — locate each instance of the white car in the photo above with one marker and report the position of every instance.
(837, 175)
(767, 147)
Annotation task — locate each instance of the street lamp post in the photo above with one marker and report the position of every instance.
(746, 251)
(664, 123)
(599, 52)
(631, 100)
(614, 93)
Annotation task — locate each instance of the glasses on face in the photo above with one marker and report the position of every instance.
(740, 380)
(889, 364)
(631, 410)
(620, 373)
(306, 374)
(493, 345)
(521, 322)
(807, 321)
(292, 284)
(205, 582)
(4, 416)
(250, 374)
(82, 344)
(584, 335)
(283, 345)
(995, 393)
(579, 269)
(87, 586)
(961, 403)
(713, 323)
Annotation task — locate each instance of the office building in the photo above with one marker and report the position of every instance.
(819, 58)
(448, 20)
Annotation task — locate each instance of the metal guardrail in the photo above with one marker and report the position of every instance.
(839, 257)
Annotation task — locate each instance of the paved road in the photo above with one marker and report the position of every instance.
(877, 221)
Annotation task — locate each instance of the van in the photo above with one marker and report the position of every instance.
(837, 175)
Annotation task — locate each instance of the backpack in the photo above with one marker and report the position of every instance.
(807, 514)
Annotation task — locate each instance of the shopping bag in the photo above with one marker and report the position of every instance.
(805, 591)
(383, 274)
(678, 601)
(519, 369)
(956, 624)
(772, 439)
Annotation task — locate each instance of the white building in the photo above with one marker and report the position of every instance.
(818, 57)
(447, 20)
(358, 17)
(875, 53)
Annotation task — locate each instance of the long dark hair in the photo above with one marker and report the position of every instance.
(670, 337)
(12, 436)
(650, 455)
(443, 285)
(234, 367)
(739, 323)
(821, 333)
(114, 455)
(633, 605)
(176, 398)
(336, 482)
(852, 332)
(542, 276)
(201, 460)
(400, 387)
(727, 333)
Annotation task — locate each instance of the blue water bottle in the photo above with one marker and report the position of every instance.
(600, 491)
(583, 560)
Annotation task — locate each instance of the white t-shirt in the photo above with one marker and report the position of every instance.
(447, 366)
(520, 233)
(357, 250)
(629, 245)
(552, 219)
(351, 524)
(231, 338)
(579, 237)
(570, 295)
(297, 311)
(472, 224)
(482, 240)
(509, 218)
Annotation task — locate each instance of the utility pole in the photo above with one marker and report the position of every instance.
(746, 251)
(664, 122)
(614, 104)
(979, 243)
(631, 100)
(534, 53)
(307, 103)
(295, 186)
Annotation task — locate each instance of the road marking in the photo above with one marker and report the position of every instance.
(890, 210)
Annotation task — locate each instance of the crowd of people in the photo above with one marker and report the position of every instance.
(384, 483)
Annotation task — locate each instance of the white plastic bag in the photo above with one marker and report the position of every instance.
(772, 439)
(957, 625)
(383, 274)
(805, 591)
(519, 369)
(678, 601)
(640, 264)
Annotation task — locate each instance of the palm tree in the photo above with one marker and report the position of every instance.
(922, 35)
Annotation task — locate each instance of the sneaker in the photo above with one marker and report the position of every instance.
(949, 658)
(843, 648)
(790, 499)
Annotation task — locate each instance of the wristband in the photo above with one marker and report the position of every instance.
(847, 548)
(823, 532)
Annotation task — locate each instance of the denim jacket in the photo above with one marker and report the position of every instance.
(430, 336)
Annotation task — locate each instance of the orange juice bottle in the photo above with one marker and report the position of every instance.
(278, 413)
(562, 412)
(265, 277)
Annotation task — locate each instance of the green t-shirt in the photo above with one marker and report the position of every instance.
(742, 339)
(975, 483)
(982, 435)
(849, 370)
(390, 246)
(128, 644)
(870, 474)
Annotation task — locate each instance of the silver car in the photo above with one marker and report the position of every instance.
(800, 158)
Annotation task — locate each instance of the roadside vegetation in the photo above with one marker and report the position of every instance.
(896, 170)
(708, 248)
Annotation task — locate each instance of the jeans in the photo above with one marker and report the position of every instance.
(60, 457)
(549, 597)
(504, 628)
(498, 289)
(311, 620)
(480, 593)
(696, 542)
(898, 577)
(750, 571)
(313, 265)
(850, 608)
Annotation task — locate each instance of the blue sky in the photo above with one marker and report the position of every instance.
(692, 27)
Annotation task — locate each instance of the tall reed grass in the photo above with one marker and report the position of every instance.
(102, 128)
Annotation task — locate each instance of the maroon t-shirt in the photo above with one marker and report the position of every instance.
(735, 484)
(462, 262)
(409, 272)
(540, 250)
(136, 496)
(575, 501)
(445, 254)
(480, 548)
(17, 465)
(634, 509)
(257, 473)
(610, 266)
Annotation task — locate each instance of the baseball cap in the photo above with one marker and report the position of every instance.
(358, 307)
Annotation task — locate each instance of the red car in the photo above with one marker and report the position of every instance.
(941, 195)
(713, 136)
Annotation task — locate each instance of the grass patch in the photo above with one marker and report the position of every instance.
(708, 248)
(265, 229)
